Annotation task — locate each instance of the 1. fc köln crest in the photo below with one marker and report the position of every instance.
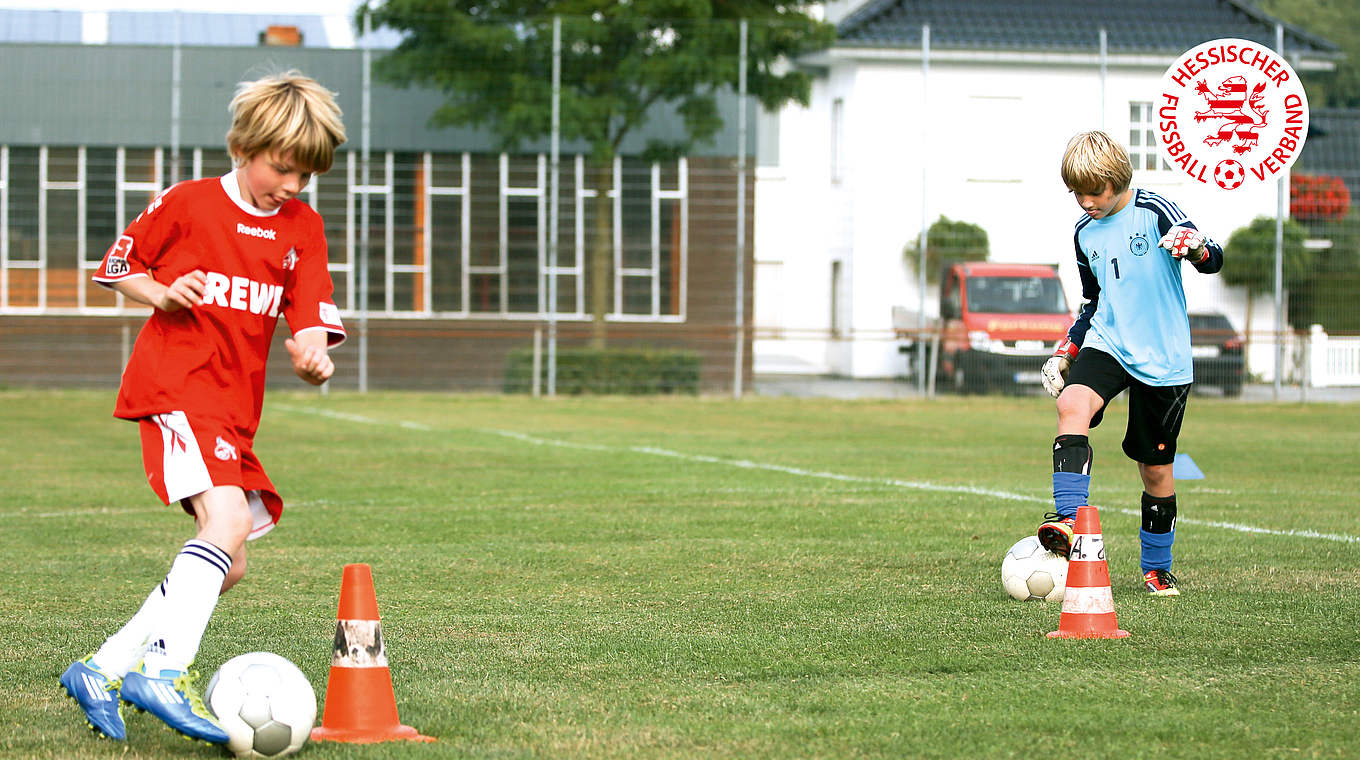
(1231, 113)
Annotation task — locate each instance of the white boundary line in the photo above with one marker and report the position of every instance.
(916, 485)
(91, 512)
(347, 417)
(909, 484)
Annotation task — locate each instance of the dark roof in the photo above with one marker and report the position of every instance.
(1333, 134)
(1146, 26)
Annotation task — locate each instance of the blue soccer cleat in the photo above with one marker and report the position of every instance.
(97, 695)
(173, 697)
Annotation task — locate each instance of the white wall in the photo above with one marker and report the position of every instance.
(994, 134)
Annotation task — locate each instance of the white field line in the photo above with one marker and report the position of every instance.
(94, 511)
(347, 417)
(916, 485)
(910, 484)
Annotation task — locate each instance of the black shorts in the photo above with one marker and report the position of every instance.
(1155, 411)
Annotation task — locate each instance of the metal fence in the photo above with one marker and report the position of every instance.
(452, 254)
(761, 250)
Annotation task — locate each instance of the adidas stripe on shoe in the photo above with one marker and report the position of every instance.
(98, 697)
(173, 697)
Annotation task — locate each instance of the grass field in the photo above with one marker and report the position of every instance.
(708, 578)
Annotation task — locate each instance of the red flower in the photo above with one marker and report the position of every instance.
(1319, 197)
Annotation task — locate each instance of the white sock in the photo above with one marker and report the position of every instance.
(191, 591)
(123, 650)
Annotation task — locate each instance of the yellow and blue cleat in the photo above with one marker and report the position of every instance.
(173, 697)
(97, 695)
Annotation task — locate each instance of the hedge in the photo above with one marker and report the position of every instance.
(619, 371)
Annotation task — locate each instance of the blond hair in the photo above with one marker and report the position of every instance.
(1091, 160)
(288, 113)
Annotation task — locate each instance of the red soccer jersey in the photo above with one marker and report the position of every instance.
(210, 360)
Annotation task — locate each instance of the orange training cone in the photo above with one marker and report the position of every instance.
(1088, 607)
(360, 704)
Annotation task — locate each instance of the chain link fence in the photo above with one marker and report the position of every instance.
(501, 240)
(518, 249)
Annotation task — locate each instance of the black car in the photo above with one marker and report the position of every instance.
(1217, 349)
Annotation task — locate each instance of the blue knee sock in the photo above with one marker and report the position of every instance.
(1158, 531)
(1070, 490)
(1157, 549)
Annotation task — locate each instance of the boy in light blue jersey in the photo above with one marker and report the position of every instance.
(1132, 333)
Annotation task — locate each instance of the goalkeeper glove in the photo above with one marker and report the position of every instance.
(1054, 373)
(1185, 243)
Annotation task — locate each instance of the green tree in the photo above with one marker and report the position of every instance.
(947, 240)
(1338, 23)
(620, 63)
(1249, 258)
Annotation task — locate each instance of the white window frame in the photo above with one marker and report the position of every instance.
(1142, 124)
(345, 265)
(462, 192)
(653, 271)
(4, 227)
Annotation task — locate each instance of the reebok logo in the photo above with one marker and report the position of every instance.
(259, 232)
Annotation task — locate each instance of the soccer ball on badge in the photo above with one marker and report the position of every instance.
(264, 703)
(1030, 571)
(1228, 174)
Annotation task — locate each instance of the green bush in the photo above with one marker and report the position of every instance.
(949, 240)
(608, 371)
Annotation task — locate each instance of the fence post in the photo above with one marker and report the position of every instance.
(739, 367)
(555, 200)
(538, 361)
(1317, 357)
(1281, 199)
(921, 382)
(176, 88)
(367, 101)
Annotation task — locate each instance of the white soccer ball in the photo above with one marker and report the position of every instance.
(1030, 571)
(264, 703)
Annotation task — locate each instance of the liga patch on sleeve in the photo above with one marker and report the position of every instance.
(329, 314)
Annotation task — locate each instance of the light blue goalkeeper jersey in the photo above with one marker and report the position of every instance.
(1134, 306)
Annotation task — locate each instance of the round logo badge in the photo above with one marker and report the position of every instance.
(1231, 113)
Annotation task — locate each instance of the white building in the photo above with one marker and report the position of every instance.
(972, 130)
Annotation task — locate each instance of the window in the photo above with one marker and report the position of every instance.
(1143, 152)
(1015, 295)
(449, 235)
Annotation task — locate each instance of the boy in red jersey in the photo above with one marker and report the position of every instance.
(219, 259)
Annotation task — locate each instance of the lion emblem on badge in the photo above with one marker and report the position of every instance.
(1240, 115)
